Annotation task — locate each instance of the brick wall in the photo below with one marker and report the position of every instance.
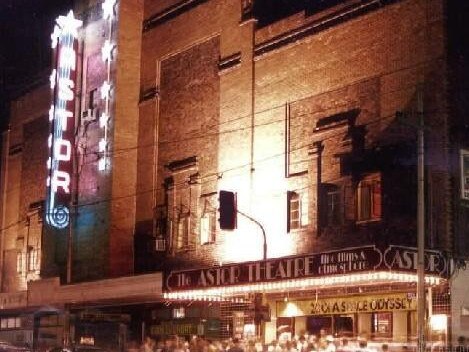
(24, 174)
(371, 64)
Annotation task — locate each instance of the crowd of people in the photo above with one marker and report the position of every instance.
(322, 342)
(302, 343)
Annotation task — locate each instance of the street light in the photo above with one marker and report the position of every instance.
(420, 225)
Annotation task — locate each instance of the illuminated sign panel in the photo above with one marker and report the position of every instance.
(348, 305)
(62, 121)
(346, 261)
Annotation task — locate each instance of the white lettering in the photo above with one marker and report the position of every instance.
(63, 115)
(65, 89)
(62, 150)
(60, 179)
(67, 58)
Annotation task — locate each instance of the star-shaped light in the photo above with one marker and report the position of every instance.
(69, 24)
(105, 90)
(106, 50)
(103, 119)
(55, 34)
(52, 78)
(102, 145)
(51, 113)
(108, 8)
(102, 164)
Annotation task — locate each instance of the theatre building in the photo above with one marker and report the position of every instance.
(238, 168)
(304, 120)
(66, 248)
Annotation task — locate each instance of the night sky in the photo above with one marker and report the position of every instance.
(25, 52)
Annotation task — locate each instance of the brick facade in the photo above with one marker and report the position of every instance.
(310, 118)
(278, 90)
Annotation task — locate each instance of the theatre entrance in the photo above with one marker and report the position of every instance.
(337, 325)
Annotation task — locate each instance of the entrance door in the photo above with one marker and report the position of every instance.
(339, 325)
(315, 323)
(343, 325)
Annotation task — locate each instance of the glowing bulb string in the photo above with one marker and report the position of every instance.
(108, 14)
(226, 293)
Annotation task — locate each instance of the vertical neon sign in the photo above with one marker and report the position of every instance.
(62, 121)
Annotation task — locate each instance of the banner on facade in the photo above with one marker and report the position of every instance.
(325, 264)
(348, 305)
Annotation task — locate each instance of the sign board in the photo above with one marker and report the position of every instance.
(62, 121)
(326, 264)
(348, 305)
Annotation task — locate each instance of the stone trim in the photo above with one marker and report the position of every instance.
(170, 13)
(341, 15)
(183, 164)
(148, 94)
(228, 62)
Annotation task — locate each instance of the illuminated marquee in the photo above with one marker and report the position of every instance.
(62, 121)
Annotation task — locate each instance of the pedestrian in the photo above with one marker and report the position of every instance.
(236, 346)
(302, 345)
(330, 346)
(148, 345)
(345, 347)
(362, 345)
(461, 347)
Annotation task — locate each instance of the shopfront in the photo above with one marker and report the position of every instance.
(364, 291)
(377, 316)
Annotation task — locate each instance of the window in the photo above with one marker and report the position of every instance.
(330, 211)
(297, 210)
(93, 99)
(10, 323)
(182, 234)
(381, 324)
(208, 228)
(465, 174)
(33, 259)
(20, 262)
(369, 198)
(179, 313)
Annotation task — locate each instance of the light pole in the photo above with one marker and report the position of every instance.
(263, 232)
(420, 225)
(421, 299)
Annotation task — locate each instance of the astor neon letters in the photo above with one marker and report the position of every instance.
(62, 121)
